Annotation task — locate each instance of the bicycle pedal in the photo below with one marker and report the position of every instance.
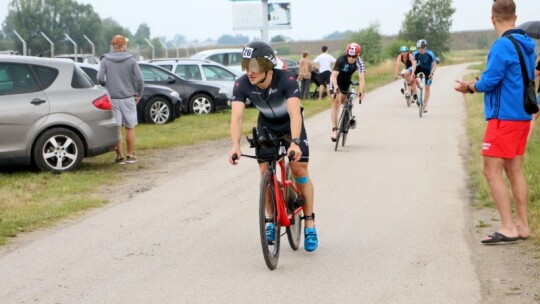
(299, 201)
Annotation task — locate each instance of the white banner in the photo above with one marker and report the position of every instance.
(248, 16)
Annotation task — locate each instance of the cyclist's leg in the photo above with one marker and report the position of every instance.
(337, 102)
(414, 84)
(305, 185)
(427, 93)
(333, 110)
(408, 78)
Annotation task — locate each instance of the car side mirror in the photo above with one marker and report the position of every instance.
(170, 79)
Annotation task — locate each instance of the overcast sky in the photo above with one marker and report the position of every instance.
(311, 19)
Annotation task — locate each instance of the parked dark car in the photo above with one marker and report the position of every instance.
(202, 98)
(158, 105)
(292, 66)
(52, 114)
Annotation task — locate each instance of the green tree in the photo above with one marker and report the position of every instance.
(430, 20)
(278, 38)
(142, 33)
(55, 18)
(370, 40)
(392, 50)
(110, 28)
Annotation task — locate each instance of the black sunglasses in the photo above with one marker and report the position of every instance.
(351, 56)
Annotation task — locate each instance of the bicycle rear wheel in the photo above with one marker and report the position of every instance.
(294, 231)
(267, 215)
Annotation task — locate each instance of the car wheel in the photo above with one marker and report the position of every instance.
(58, 150)
(158, 111)
(201, 104)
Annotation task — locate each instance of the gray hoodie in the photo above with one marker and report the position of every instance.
(121, 75)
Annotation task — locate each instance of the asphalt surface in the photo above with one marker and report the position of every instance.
(391, 216)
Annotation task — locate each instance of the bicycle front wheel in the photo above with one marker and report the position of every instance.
(345, 125)
(421, 102)
(340, 129)
(270, 240)
(294, 231)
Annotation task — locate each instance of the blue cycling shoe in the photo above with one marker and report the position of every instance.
(270, 233)
(311, 242)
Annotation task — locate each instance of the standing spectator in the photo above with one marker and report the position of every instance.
(508, 124)
(304, 75)
(324, 61)
(121, 75)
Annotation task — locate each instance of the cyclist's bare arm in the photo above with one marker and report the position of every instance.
(295, 113)
(237, 116)
(398, 63)
(433, 68)
(411, 57)
(333, 79)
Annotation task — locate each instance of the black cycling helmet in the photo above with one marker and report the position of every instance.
(421, 43)
(262, 52)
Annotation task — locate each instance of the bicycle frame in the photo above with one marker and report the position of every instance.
(280, 201)
(282, 217)
(280, 182)
(345, 117)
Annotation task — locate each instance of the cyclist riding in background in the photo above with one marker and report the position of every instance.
(340, 80)
(426, 62)
(407, 59)
(275, 93)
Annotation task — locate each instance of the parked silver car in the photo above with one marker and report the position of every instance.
(52, 114)
(201, 70)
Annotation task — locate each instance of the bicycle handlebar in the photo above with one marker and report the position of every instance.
(266, 141)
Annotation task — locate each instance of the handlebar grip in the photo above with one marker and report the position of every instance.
(234, 158)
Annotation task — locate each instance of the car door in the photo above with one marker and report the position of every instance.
(23, 108)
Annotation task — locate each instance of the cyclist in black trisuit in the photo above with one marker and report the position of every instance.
(340, 81)
(275, 93)
(407, 59)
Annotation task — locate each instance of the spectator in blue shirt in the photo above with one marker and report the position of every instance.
(505, 138)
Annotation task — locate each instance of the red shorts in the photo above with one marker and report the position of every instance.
(505, 139)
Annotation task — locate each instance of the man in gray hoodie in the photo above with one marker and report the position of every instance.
(121, 75)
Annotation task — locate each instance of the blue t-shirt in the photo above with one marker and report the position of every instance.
(425, 60)
(502, 81)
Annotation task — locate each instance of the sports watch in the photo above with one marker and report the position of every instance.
(297, 141)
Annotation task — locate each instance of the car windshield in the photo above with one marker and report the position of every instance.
(217, 73)
(151, 73)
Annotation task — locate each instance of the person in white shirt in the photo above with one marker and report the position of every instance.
(324, 61)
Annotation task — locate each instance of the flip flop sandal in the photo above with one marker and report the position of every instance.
(498, 237)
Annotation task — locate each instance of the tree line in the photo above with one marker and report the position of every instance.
(32, 19)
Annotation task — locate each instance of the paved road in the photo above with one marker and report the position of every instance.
(391, 215)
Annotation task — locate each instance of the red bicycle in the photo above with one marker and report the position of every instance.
(280, 202)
